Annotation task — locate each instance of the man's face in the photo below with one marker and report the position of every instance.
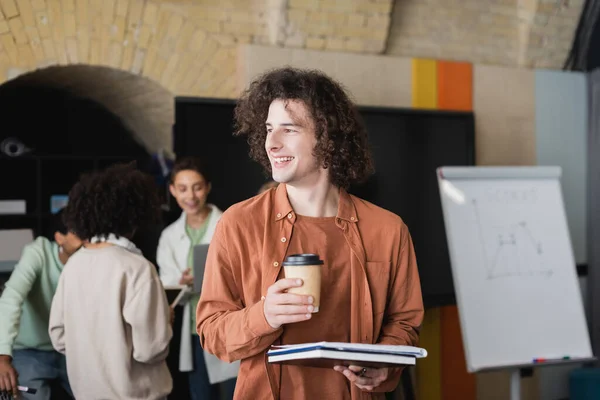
(290, 143)
(190, 190)
(69, 242)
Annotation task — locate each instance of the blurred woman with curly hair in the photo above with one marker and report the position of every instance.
(110, 314)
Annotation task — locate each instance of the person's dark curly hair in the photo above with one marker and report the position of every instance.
(120, 199)
(342, 140)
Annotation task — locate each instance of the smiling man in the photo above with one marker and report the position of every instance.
(305, 131)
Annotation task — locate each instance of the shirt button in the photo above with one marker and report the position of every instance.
(351, 218)
(276, 264)
(283, 240)
(290, 215)
(278, 215)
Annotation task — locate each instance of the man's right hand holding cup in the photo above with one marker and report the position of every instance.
(281, 307)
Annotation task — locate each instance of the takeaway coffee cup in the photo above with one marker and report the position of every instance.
(308, 268)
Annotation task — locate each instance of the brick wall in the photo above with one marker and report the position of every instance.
(526, 33)
(356, 26)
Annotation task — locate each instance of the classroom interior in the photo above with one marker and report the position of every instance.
(87, 83)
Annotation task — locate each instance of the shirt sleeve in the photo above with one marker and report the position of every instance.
(167, 266)
(146, 310)
(227, 328)
(15, 292)
(56, 323)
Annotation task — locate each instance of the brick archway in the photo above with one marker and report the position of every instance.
(145, 107)
(187, 46)
(187, 49)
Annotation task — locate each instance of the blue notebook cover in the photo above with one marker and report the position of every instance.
(407, 351)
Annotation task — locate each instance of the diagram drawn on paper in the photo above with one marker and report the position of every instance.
(511, 250)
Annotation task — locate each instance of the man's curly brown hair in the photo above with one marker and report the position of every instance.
(342, 141)
(120, 199)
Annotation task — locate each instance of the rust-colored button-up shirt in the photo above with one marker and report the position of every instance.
(245, 256)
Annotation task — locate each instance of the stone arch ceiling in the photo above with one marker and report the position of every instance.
(144, 106)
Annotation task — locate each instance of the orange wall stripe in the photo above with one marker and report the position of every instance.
(457, 383)
(454, 93)
(454, 86)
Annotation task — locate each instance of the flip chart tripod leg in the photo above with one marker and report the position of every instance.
(515, 385)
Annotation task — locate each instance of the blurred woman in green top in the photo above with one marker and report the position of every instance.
(190, 186)
(26, 354)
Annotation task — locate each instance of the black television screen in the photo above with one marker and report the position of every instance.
(407, 145)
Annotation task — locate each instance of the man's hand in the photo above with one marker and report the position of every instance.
(286, 308)
(186, 278)
(8, 376)
(364, 378)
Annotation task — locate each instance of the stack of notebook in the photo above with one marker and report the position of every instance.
(328, 354)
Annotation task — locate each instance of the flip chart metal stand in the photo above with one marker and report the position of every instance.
(515, 385)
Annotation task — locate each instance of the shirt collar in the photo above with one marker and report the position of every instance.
(282, 204)
(283, 208)
(346, 209)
